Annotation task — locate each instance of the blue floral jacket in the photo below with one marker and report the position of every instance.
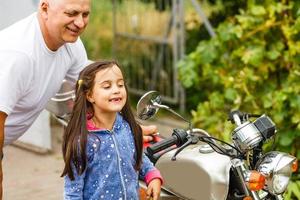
(110, 173)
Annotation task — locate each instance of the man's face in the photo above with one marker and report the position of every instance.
(66, 20)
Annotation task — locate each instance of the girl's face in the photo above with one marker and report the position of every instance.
(108, 94)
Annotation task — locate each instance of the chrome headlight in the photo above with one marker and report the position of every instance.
(277, 168)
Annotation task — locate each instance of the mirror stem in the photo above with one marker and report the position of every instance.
(172, 111)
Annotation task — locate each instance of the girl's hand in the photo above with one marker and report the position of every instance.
(148, 131)
(153, 190)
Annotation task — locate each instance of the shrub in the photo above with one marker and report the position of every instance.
(251, 65)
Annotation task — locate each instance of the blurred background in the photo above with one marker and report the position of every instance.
(206, 58)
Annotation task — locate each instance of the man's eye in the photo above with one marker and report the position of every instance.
(85, 14)
(71, 14)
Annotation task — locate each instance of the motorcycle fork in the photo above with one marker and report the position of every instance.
(240, 168)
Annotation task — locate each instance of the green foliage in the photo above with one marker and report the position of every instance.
(251, 65)
(216, 11)
(98, 35)
(293, 191)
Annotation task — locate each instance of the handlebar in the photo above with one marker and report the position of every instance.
(237, 117)
(182, 139)
(178, 138)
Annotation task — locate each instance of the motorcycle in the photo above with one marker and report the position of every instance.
(197, 166)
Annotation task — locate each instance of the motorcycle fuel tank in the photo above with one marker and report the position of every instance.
(195, 175)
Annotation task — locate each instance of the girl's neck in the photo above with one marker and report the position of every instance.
(103, 120)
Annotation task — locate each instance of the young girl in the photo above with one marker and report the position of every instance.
(102, 146)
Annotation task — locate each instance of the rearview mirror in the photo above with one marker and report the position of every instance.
(147, 105)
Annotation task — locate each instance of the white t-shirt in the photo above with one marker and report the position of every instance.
(30, 73)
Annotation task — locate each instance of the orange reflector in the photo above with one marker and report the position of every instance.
(256, 181)
(295, 166)
(247, 198)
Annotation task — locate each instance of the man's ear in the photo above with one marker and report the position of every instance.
(44, 5)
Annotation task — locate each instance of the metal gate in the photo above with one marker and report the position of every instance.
(148, 42)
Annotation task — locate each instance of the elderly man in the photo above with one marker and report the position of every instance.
(36, 54)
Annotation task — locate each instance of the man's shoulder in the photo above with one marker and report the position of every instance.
(76, 51)
(19, 35)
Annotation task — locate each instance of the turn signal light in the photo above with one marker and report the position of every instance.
(247, 198)
(295, 166)
(256, 181)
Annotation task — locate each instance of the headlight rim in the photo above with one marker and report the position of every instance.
(270, 165)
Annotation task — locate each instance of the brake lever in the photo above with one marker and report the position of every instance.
(191, 140)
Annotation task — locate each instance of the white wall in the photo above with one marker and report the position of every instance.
(13, 10)
(38, 137)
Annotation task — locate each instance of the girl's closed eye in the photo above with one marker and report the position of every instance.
(106, 86)
(121, 84)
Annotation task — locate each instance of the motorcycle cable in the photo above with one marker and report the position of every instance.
(209, 140)
(257, 151)
(220, 149)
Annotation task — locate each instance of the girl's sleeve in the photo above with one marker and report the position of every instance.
(73, 190)
(148, 172)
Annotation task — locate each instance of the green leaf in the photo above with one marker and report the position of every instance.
(296, 26)
(228, 31)
(246, 22)
(296, 118)
(231, 94)
(258, 10)
(268, 100)
(280, 97)
(253, 55)
(187, 73)
(286, 138)
(216, 100)
(207, 52)
(295, 101)
(279, 46)
(273, 55)
(295, 188)
(298, 155)
(298, 12)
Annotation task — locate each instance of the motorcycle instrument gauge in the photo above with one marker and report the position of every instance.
(246, 136)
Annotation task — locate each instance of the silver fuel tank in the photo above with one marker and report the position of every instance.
(195, 175)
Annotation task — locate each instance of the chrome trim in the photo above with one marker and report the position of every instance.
(270, 164)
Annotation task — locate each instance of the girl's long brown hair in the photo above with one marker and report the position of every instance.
(75, 136)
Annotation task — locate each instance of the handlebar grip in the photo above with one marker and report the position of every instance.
(162, 145)
(178, 137)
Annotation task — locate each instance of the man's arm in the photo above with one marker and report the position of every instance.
(2, 121)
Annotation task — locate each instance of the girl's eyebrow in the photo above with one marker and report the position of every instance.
(109, 81)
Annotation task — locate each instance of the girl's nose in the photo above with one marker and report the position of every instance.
(116, 89)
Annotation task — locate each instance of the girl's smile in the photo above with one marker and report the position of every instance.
(116, 100)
